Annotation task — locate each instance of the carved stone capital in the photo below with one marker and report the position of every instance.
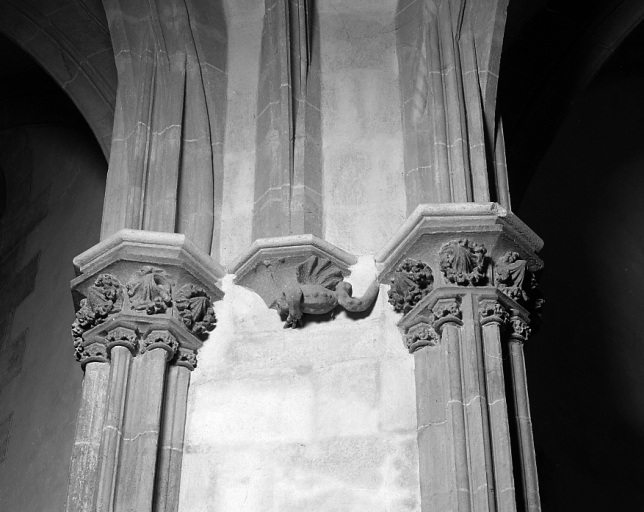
(186, 358)
(432, 233)
(479, 249)
(160, 339)
(167, 300)
(519, 329)
(446, 311)
(421, 335)
(492, 311)
(122, 337)
(94, 352)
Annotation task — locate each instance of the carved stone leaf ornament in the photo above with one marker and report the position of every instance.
(464, 263)
(520, 329)
(411, 281)
(492, 311)
(150, 290)
(419, 336)
(122, 337)
(195, 309)
(510, 276)
(104, 298)
(160, 339)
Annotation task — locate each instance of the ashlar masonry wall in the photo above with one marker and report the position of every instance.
(322, 417)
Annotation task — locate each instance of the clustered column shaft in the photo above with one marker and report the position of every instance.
(138, 344)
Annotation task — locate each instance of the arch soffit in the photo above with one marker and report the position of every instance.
(71, 41)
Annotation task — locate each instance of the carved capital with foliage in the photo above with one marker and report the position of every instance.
(167, 301)
(492, 311)
(464, 262)
(410, 283)
(421, 335)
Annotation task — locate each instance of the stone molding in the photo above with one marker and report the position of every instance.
(431, 226)
(293, 247)
(443, 306)
(166, 301)
(477, 249)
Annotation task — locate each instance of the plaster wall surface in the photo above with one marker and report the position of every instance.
(585, 364)
(320, 418)
(65, 173)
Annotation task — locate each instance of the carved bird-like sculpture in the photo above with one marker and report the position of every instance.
(320, 289)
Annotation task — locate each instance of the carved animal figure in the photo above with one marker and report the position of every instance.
(320, 289)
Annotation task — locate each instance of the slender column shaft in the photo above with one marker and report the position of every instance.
(435, 434)
(475, 406)
(83, 474)
(112, 429)
(498, 416)
(138, 454)
(524, 426)
(452, 338)
(168, 475)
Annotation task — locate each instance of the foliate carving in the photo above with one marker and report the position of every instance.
(94, 352)
(419, 336)
(446, 308)
(512, 277)
(319, 290)
(150, 290)
(160, 339)
(104, 298)
(195, 309)
(187, 359)
(492, 310)
(464, 263)
(520, 329)
(411, 282)
(123, 337)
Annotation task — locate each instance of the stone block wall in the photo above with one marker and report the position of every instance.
(321, 418)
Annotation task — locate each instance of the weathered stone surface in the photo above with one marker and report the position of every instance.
(5, 432)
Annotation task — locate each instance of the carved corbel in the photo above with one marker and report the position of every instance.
(318, 290)
(301, 274)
